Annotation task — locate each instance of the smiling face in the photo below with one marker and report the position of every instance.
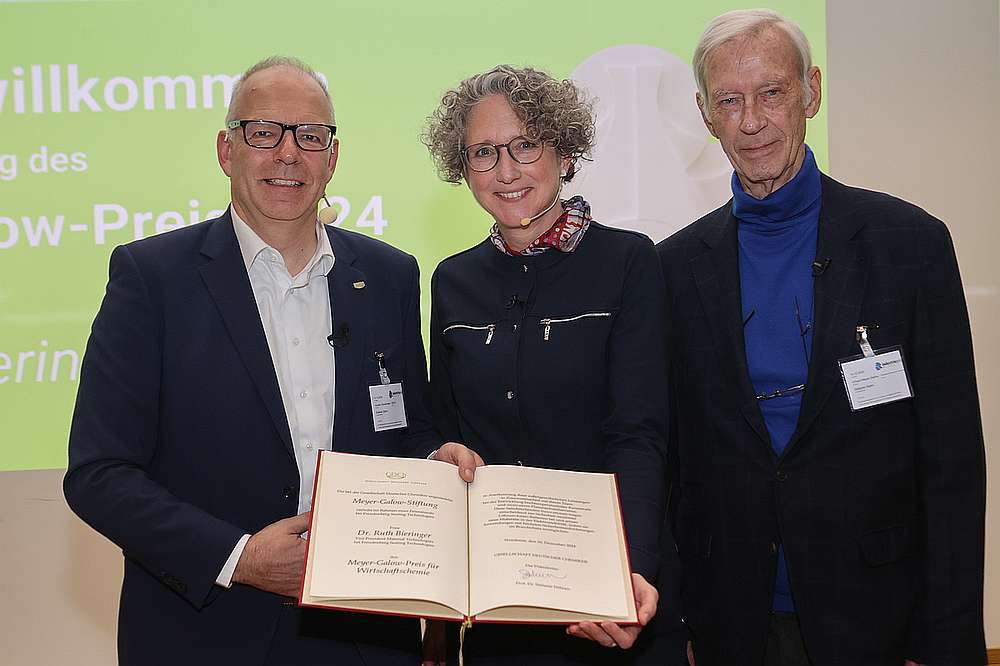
(757, 107)
(511, 191)
(279, 185)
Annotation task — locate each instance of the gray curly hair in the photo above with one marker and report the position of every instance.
(552, 111)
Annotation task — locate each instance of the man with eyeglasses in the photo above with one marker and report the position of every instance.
(829, 498)
(224, 357)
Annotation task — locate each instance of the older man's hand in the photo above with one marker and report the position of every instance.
(609, 634)
(274, 557)
(462, 457)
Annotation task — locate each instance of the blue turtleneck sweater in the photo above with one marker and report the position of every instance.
(777, 245)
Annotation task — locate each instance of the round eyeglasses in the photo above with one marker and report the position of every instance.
(484, 156)
(269, 133)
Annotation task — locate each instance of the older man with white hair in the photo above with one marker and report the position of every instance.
(829, 489)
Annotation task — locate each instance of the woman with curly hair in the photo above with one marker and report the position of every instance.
(547, 337)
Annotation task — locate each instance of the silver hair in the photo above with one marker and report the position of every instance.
(551, 109)
(278, 61)
(741, 22)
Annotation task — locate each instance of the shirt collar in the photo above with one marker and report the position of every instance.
(251, 245)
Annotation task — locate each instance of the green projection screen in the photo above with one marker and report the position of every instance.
(109, 111)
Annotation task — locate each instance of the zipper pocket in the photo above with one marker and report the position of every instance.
(547, 323)
(489, 328)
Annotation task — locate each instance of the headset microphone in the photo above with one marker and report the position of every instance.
(525, 221)
(329, 214)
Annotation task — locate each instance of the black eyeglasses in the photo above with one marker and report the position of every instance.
(482, 157)
(269, 133)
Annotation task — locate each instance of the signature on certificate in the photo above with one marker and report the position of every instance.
(532, 574)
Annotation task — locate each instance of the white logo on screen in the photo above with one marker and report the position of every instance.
(656, 168)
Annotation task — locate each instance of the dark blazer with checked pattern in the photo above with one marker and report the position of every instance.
(880, 511)
(179, 443)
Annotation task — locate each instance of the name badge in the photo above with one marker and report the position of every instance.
(875, 377)
(388, 410)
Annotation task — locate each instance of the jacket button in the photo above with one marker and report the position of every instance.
(781, 475)
(288, 492)
(510, 395)
(774, 548)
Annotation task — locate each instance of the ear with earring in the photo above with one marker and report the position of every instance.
(329, 214)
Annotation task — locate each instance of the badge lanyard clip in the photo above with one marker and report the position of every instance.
(866, 347)
(383, 376)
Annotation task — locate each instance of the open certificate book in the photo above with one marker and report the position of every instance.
(520, 544)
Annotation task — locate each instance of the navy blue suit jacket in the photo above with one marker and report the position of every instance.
(179, 442)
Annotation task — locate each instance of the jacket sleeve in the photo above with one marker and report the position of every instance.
(421, 437)
(635, 421)
(112, 447)
(947, 625)
(443, 406)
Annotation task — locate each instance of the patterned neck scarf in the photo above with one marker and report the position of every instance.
(564, 235)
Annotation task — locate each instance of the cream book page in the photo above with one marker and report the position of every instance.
(547, 538)
(389, 529)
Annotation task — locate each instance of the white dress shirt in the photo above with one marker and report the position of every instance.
(295, 312)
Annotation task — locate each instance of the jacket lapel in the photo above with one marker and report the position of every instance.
(716, 274)
(226, 278)
(350, 306)
(838, 294)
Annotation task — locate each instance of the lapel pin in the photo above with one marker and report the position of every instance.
(360, 284)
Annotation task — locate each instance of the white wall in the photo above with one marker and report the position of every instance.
(914, 109)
